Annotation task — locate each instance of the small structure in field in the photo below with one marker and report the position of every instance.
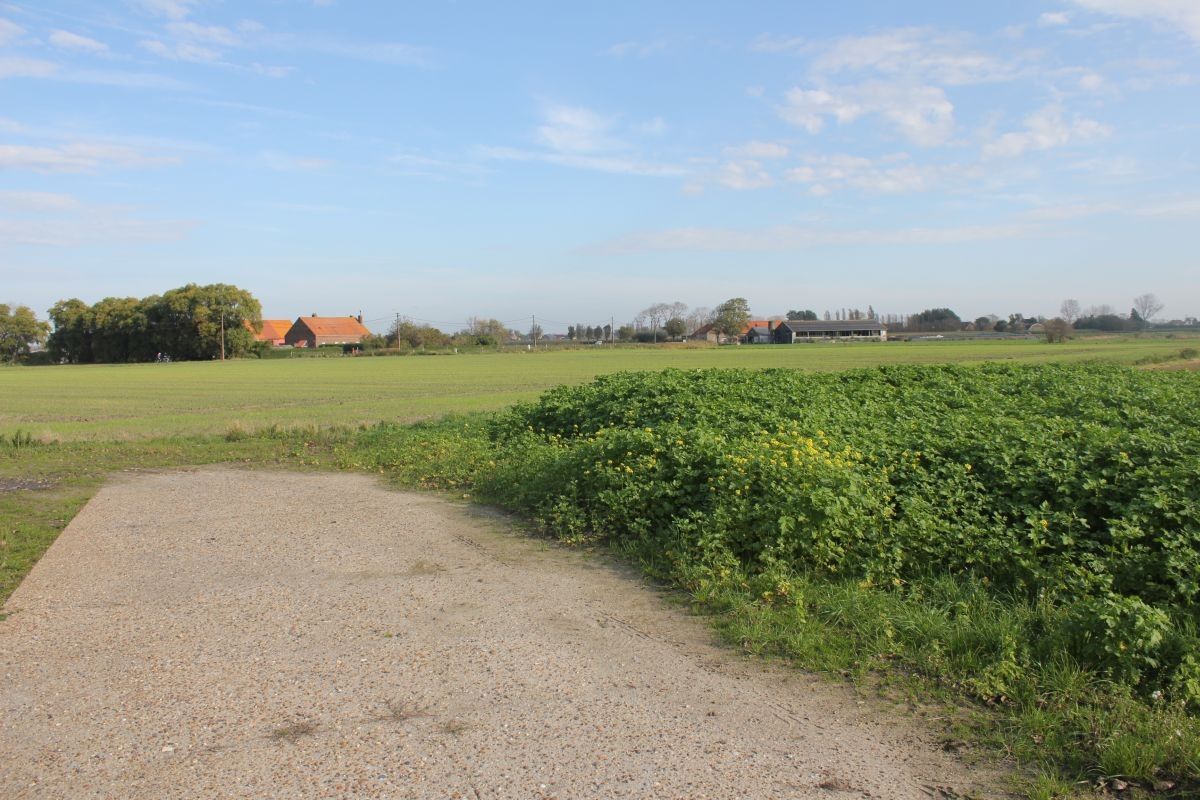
(315, 331)
(273, 331)
(793, 331)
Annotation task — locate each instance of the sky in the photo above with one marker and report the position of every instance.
(581, 161)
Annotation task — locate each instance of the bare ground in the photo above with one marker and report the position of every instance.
(222, 633)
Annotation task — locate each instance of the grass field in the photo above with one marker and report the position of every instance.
(138, 401)
(65, 430)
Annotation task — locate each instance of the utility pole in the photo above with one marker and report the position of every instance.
(612, 330)
(222, 335)
(533, 328)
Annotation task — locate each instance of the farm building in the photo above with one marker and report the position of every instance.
(758, 334)
(272, 330)
(706, 333)
(315, 331)
(792, 331)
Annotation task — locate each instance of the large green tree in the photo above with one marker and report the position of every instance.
(732, 316)
(71, 340)
(197, 322)
(19, 328)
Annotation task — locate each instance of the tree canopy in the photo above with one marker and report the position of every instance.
(19, 328)
(192, 322)
(731, 316)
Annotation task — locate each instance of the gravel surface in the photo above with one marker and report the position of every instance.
(226, 633)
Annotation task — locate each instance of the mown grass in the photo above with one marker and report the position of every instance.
(140, 401)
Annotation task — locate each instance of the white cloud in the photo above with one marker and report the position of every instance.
(889, 175)
(73, 41)
(93, 228)
(1189, 207)
(791, 237)
(920, 54)
(271, 71)
(574, 129)
(171, 9)
(21, 67)
(921, 114)
(1091, 82)
(1052, 19)
(1178, 14)
(286, 163)
(213, 34)
(1045, 129)
(638, 49)
(181, 51)
(758, 150)
(617, 164)
(77, 157)
(743, 175)
(9, 31)
(37, 201)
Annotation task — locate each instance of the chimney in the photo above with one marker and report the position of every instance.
(359, 318)
(314, 313)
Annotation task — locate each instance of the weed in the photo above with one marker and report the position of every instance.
(294, 731)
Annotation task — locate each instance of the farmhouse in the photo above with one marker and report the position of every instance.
(792, 331)
(273, 331)
(315, 331)
(706, 333)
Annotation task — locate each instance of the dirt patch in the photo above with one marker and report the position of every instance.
(21, 484)
(1191, 365)
(224, 633)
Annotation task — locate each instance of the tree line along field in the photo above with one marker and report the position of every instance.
(102, 402)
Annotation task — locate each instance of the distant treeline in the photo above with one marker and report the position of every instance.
(185, 324)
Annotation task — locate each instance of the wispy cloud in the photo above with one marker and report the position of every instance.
(795, 237)
(171, 9)
(38, 201)
(22, 67)
(892, 174)
(1051, 19)
(1181, 15)
(618, 164)
(638, 49)
(914, 53)
(1047, 128)
(65, 40)
(9, 31)
(574, 129)
(921, 114)
(77, 157)
(93, 226)
(758, 150)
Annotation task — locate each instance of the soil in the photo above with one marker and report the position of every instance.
(225, 633)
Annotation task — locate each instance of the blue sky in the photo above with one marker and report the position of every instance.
(579, 161)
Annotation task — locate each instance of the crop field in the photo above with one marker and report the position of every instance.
(1027, 534)
(1012, 534)
(137, 401)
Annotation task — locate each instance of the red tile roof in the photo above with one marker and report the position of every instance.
(272, 329)
(333, 326)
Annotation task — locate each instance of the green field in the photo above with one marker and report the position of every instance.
(973, 633)
(117, 402)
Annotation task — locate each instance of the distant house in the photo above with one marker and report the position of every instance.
(315, 331)
(792, 331)
(706, 333)
(273, 331)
